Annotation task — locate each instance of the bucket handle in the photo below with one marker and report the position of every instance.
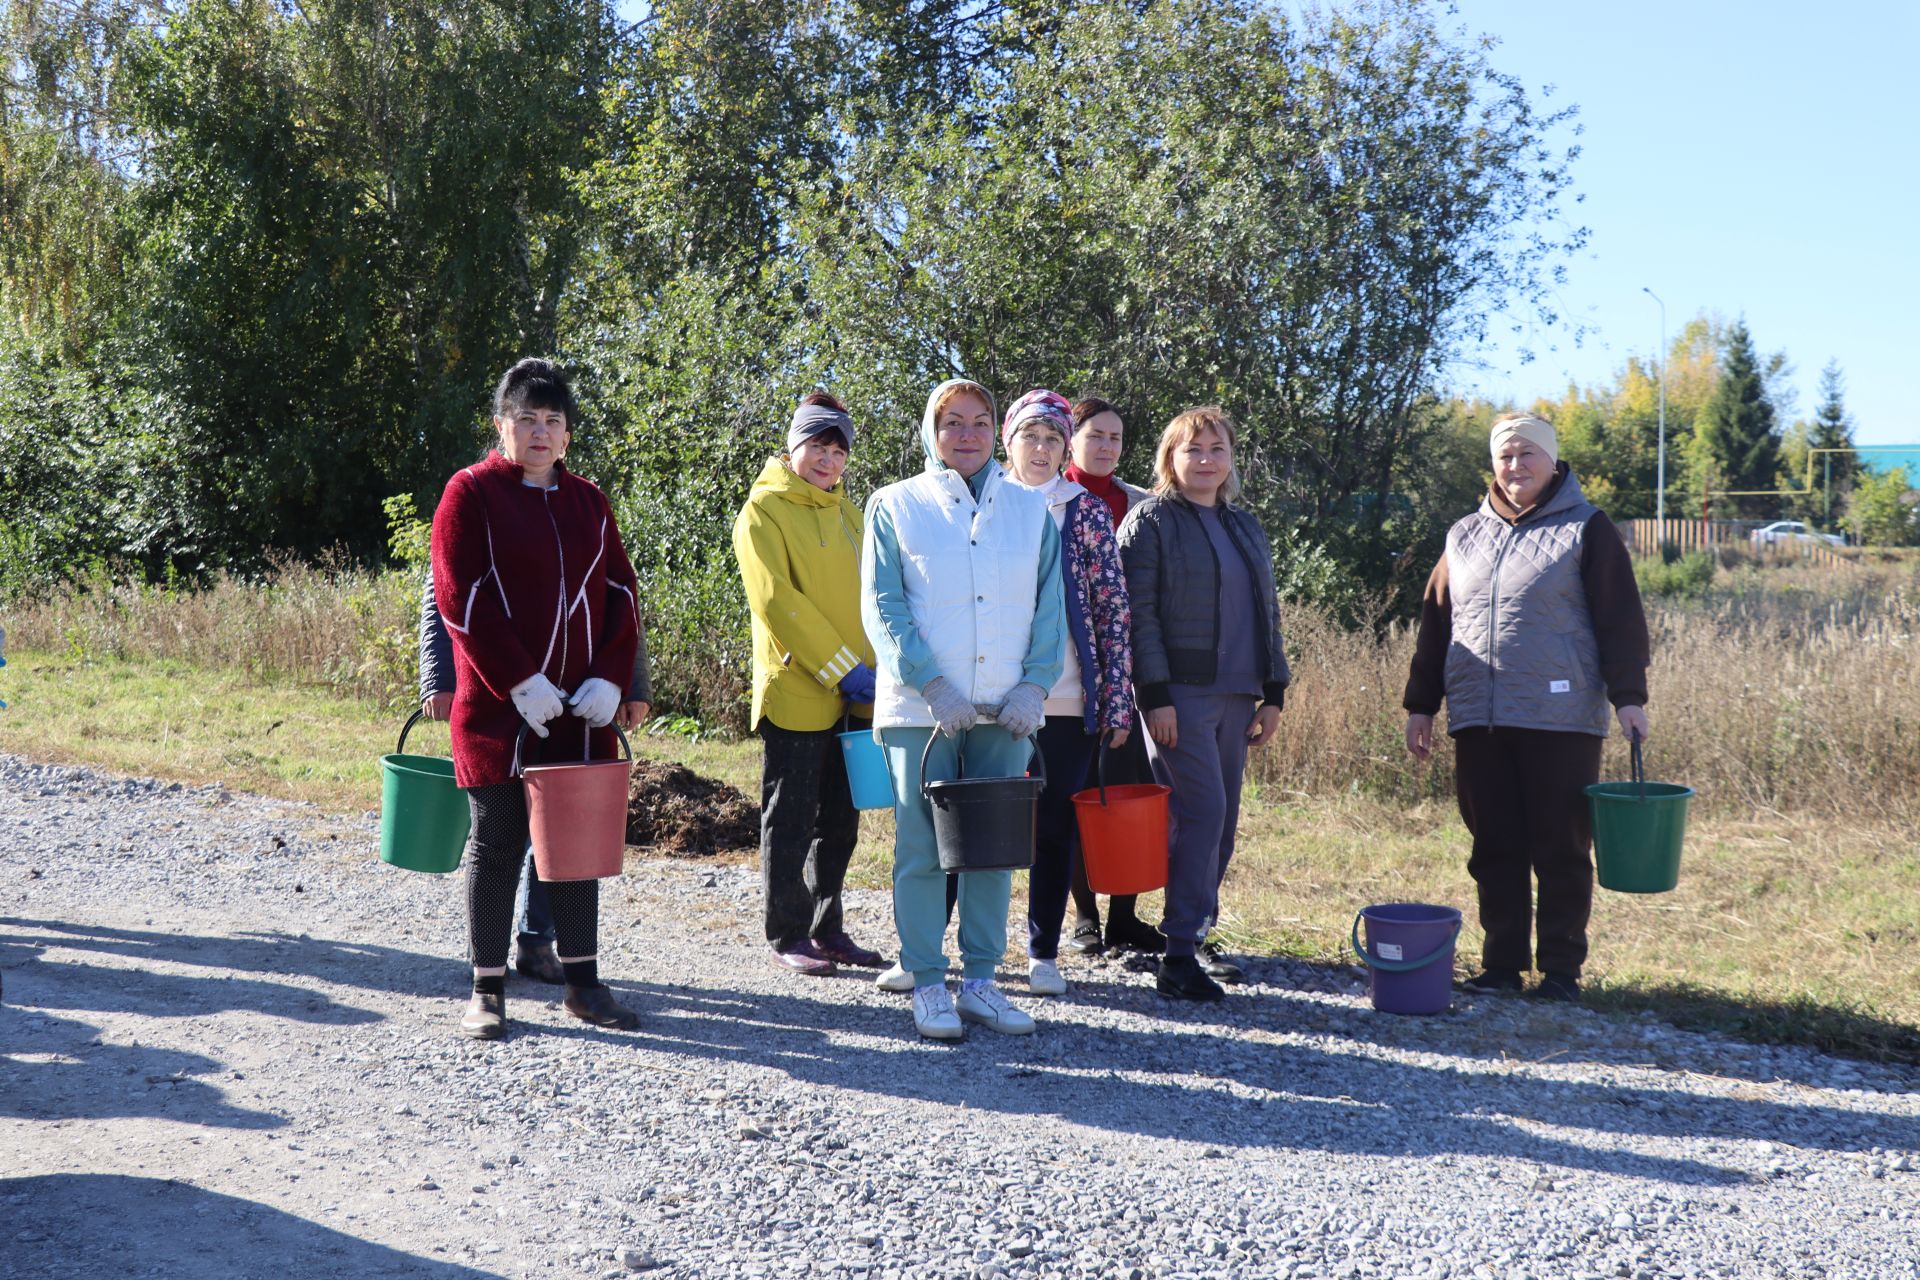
(1639, 766)
(1106, 745)
(521, 738)
(1399, 966)
(400, 748)
(960, 752)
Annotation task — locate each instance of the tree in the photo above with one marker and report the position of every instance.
(1833, 472)
(1200, 200)
(1737, 431)
(1884, 510)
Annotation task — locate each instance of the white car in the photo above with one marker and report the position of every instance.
(1792, 531)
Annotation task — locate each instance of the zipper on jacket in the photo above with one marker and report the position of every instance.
(1259, 585)
(560, 553)
(1493, 623)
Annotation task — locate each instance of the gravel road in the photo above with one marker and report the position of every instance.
(227, 1050)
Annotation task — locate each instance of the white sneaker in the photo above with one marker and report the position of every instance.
(1043, 978)
(982, 1002)
(894, 979)
(933, 1015)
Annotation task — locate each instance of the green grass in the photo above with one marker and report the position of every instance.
(1790, 929)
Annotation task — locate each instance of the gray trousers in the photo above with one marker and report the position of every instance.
(1204, 771)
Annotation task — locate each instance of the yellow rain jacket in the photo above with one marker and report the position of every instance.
(799, 553)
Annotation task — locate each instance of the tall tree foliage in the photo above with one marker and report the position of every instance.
(321, 230)
(337, 223)
(1830, 443)
(1738, 430)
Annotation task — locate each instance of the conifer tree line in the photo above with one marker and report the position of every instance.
(261, 262)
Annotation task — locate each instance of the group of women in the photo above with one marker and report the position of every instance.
(987, 612)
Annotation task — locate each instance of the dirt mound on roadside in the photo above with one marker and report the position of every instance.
(674, 811)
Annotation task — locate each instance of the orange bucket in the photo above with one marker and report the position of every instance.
(577, 814)
(1123, 834)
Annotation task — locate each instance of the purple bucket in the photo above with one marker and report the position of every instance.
(1409, 955)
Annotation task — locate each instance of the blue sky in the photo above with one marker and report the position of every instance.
(1760, 159)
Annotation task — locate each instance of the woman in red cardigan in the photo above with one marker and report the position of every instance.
(536, 590)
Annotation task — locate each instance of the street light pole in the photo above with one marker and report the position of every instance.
(1660, 480)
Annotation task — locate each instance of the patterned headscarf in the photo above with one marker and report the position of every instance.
(1049, 407)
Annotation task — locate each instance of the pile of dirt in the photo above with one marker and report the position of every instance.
(674, 811)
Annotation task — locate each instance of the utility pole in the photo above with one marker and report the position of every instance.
(1660, 473)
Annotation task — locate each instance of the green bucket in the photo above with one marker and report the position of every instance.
(423, 814)
(1638, 828)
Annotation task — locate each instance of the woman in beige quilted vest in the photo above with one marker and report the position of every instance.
(1531, 626)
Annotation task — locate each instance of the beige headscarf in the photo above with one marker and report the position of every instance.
(1536, 431)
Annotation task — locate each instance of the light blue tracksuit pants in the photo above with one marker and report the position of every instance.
(919, 885)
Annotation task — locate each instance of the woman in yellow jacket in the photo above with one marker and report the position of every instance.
(798, 543)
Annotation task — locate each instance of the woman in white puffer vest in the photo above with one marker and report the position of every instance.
(961, 596)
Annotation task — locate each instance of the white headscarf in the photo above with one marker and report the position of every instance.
(1525, 426)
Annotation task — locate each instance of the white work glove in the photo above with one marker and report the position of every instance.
(595, 701)
(537, 701)
(951, 710)
(1024, 711)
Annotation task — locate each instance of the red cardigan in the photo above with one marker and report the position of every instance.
(529, 580)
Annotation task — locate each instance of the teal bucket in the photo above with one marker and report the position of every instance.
(867, 775)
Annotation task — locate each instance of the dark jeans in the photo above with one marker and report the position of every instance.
(496, 852)
(1127, 765)
(1522, 796)
(536, 917)
(808, 827)
(1205, 771)
(1068, 750)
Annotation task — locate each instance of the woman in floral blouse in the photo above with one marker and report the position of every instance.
(1094, 695)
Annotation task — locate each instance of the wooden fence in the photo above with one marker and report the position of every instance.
(1643, 537)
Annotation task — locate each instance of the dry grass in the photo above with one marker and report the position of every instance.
(325, 624)
(1782, 691)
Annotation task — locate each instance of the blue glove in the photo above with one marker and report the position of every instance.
(857, 684)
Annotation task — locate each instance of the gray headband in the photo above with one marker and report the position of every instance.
(809, 420)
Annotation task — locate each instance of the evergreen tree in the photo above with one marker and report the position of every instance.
(1833, 473)
(1737, 428)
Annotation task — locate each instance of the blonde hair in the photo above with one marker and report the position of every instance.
(1186, 426)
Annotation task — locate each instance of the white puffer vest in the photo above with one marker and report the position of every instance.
(971, 571)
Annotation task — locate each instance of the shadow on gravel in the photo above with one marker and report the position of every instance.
(1327, 1100)
(62, 1225)
(374, 968)
(57, 1069)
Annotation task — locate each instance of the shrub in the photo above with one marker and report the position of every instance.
(1685, 577)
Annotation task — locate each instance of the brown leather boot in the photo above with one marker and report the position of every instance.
(486, 1017)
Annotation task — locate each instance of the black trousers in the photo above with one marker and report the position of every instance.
(808, 828)
(496, 847)
(1068, 750)
(1522, 796)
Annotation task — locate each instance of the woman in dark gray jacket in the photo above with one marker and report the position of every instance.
(1209, 669)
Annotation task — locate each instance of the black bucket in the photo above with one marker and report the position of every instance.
(984, 824)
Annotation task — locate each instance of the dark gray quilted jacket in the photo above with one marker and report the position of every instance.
(1173, 580)
(1524, 653)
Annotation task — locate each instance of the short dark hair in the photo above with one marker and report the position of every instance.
(535, 383)
(824, 400)
(1089, 408)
